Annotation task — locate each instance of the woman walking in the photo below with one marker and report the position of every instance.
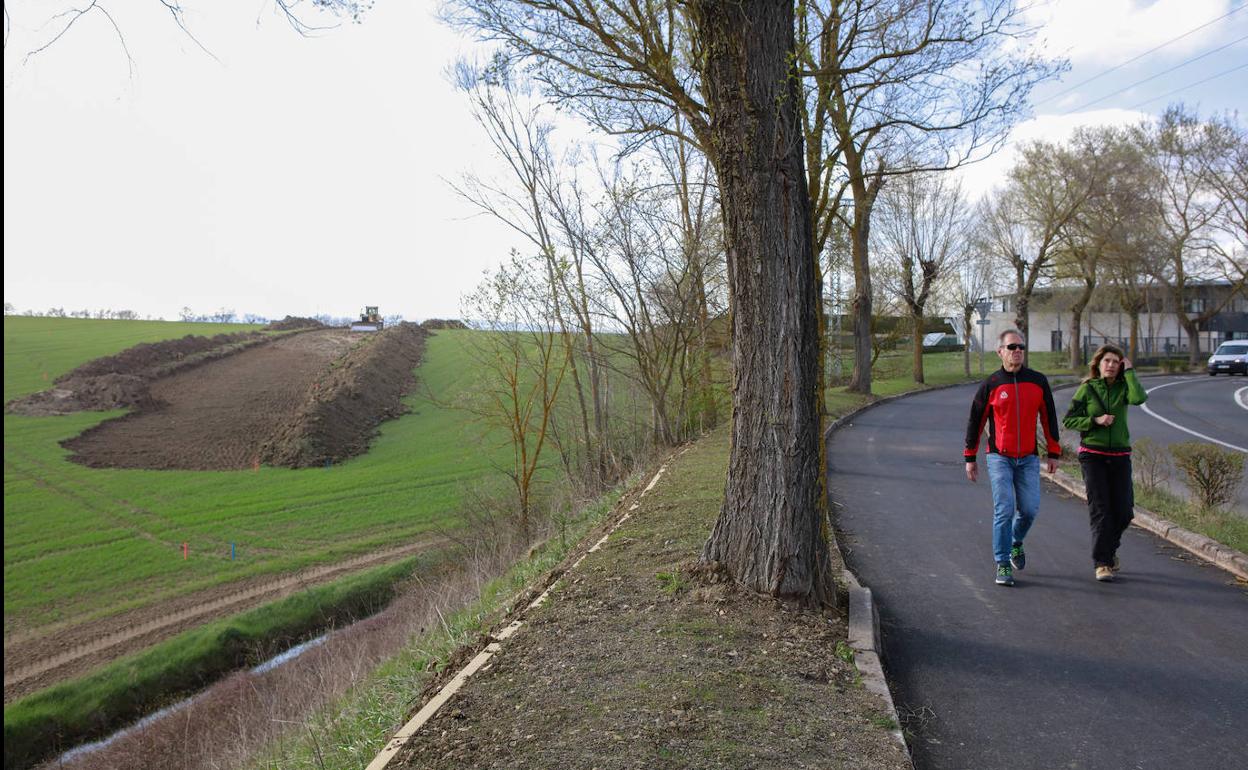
(1099, 412)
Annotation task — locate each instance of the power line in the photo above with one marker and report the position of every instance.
(1141, 56)
(1154, 77)
(1189, 85)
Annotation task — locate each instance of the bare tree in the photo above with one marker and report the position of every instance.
(56, 23)
(655, 245)
(1110, 170)
(970, 281)
(1183, 152)
(772, 531)
(1227, 174)
(922, 232)
(526, 365)
(900, 87)
(531, 200)
(1023, 222)
(632, 68)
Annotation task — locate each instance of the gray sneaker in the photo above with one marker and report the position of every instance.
(1005, 575)
(1018, 557)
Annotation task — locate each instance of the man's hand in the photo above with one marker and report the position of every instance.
(1106, 420)
(1052, 466)
(972, 471)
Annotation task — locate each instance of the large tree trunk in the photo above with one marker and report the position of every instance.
(1021, 320)
(1193, 340)
(916, 319)
(968, 331)
(772, 533)
(1135, 334)
(1076, 322)
(860, 380)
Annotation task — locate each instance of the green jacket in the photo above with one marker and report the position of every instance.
(1085, 407)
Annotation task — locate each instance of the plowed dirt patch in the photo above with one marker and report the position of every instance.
(230, 414)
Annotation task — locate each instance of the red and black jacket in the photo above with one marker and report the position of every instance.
(1010, 402)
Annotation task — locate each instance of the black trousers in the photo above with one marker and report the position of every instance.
(1111, 502)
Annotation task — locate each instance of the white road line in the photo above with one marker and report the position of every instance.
(1241, 397)
(1172, 424)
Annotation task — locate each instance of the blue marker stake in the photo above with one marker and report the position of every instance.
(231, 552)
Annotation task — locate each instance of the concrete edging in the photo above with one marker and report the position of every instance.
(1223, 556)
(864, 640)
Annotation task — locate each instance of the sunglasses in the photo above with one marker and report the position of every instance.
(1016, 346)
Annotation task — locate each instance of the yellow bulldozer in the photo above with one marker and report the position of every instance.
(370, 320)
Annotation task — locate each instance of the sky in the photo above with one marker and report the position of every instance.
(276, 174)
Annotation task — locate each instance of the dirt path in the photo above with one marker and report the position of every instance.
(216, 416)
(33, 662)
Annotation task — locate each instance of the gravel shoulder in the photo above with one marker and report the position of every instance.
(638, 659)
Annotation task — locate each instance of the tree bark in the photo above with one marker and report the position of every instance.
(968, 331)
(772, 534)
(1076, 322)
(916, 319)
(860, 240)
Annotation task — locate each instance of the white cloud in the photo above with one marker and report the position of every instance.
(1108, 32)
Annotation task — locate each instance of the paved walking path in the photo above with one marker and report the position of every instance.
(1059, 671)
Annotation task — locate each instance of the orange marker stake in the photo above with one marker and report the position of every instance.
(184, 552)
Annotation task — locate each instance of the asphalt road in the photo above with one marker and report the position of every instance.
(1058, 671)
(1216, 408)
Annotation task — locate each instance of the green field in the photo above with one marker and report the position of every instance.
(82, 543)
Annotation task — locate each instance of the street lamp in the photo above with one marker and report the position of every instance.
(982, 307)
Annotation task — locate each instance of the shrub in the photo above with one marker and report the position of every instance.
(1173, 365)
(1212, 474)
(1151, 465)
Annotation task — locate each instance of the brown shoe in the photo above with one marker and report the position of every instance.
(1105, 574)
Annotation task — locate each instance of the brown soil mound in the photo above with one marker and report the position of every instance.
(303, 400)
(346, 404)
(122, 381)
(291, 322)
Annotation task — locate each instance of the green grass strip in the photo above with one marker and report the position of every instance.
(74, 712)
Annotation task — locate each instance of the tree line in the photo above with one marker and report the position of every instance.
(748, 147)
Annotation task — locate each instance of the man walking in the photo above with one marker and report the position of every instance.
(1010, 401)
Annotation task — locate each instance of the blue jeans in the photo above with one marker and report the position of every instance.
(1015, 490)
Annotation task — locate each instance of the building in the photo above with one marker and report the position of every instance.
(1103, 320)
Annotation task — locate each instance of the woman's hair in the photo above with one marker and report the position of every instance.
(1094, 369)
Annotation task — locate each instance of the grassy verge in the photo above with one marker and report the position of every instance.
(641, 658)
(355, 727)
(91, 707)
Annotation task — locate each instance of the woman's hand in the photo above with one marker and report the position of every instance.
(1105, 420)
(1126, 364)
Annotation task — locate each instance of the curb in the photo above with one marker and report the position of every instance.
(1217, 554)
(864, 640)
(864, 616)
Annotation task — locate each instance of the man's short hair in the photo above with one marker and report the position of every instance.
(1001, 337)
